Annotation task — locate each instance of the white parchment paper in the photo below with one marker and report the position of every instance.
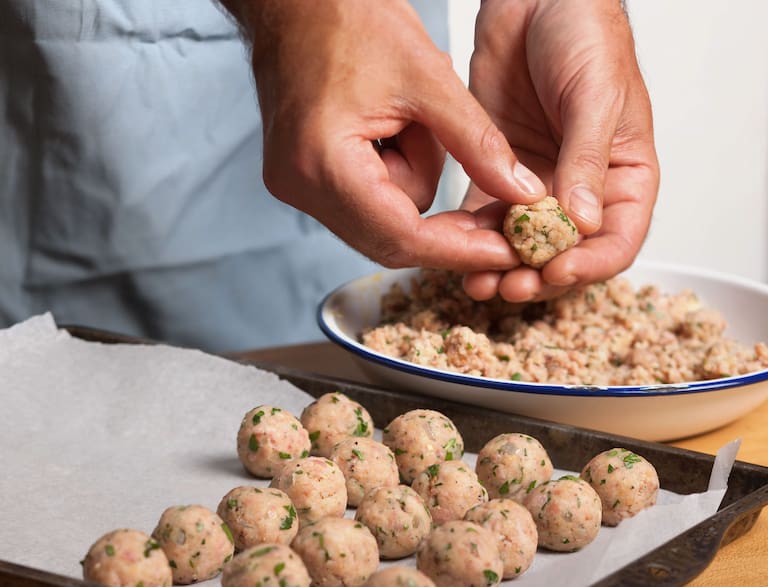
(95, 437)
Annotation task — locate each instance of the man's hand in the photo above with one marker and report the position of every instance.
(333, 78)
(560, 79)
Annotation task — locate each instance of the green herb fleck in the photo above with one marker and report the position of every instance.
(630, 459)
(287, 522)
(279, 567)
(228, 532)
(358, 454)
(433, 471)
(262, 551)
(253, 443)
(257, 417)
(491, 577)
(284, 455)
(450, 447)
(522, 218)
(149, 546)
(110, 550)
(611, 468)
(362, 426)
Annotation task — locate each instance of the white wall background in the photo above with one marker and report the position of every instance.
(706, 66)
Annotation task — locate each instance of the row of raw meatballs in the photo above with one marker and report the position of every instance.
(413, 493)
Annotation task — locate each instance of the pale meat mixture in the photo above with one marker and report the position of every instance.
(607, 333)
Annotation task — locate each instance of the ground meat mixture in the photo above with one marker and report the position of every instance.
(196, 542)
(264, 565)
(607, 333)
(538, 232)
(626, 483)
(125, 558)
(257, 515)
(567, 513)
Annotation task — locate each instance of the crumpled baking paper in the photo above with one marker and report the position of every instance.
(95, 437)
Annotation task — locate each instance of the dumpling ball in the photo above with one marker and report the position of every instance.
(420, 438)
(626, 483)
(511, 464)
(397, 518)
(460, 553)
(125, 558)
(266, 564)
(196, 541)
(256, 515)
(399, 576)
(567, 513)
(267, 438)
(338, 552)
(333, 417)
(366, 464)
(316, 487)
(515, 530)
(540, 231)
(449, 489)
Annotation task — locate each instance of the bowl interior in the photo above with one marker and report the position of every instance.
(654, 412)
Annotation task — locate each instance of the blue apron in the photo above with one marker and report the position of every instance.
(131, 196)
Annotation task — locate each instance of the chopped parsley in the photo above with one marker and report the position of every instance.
(491, 577)
(287, 522)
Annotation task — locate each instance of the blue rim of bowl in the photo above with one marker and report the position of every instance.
(358, 349)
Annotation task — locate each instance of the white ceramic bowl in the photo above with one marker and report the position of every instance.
(653, 412)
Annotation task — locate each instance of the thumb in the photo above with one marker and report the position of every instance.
(589, 125)
(467, 132)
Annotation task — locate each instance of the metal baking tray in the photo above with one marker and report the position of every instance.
(682, 471)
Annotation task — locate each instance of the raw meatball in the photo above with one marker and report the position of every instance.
(366, 464)
(567, 512)
(257, 515)
(625, 482)
(398, 519)
(449, 489)
(316, 487)
(514, 529)
(420, 438)
(266, 564)
(125, 558)
(399, 577)
(512, 464)
(338, 552)
(268, 437)
(196, 541)
(333, 417)
(538, 232)
(460, 553)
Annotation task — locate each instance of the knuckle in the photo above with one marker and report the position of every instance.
(590, 161)
(393, 256)
(491, 140)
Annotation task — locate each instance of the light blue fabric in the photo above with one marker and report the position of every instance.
(131, 196)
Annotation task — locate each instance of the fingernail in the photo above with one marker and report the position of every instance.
(585, 204)
(526, 179)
